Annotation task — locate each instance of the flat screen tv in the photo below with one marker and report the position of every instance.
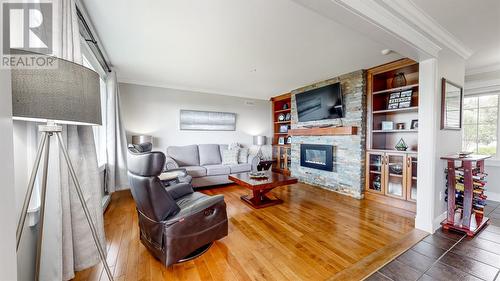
(321, 103)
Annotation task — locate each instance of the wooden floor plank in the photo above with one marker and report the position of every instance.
(314, 235)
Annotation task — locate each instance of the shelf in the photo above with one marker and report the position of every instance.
(391, 150)
(282, 122)
(375, 172)
(283, 145)
(328, 131)
(407, 109)
(281, 133)
(396, 131)
(395, 175)
(282, 110)
(398, 89)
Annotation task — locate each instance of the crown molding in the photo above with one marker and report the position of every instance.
(482, 69)
(388, 20)
(414, 15)
(482, 87)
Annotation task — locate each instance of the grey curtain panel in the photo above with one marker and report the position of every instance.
(116, 141)
(68, 244)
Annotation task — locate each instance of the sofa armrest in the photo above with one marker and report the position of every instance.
(170, 163)
(254, 161)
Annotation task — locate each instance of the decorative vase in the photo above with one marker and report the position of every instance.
(401, 145)
(399, 80)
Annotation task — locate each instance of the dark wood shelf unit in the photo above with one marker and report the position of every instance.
(465, 218)
(394, 182)
(281, 152)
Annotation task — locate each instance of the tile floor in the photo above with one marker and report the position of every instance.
(450, 255)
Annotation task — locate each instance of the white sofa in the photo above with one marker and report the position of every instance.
(203, 162)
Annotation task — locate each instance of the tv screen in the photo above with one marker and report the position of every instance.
(321, 103)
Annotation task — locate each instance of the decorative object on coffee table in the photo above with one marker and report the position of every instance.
(401, 145)
(399, 80)
(261, 187)
(264, 165)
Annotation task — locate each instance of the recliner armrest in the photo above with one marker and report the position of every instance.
(193, 204)
(179, 190)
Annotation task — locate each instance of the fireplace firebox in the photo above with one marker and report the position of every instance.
(317, 156)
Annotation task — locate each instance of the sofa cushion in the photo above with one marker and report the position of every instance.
(222, 147)
(243, 155)
(240, 168)
(209, 154)
(196, 171)
(215, 170)
(184, 155)
(230, 156)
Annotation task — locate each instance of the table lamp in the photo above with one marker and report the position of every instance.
(138, 139)
(259, 141)
(68, 93)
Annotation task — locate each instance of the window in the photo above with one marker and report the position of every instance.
(480, 132)
(99, 131)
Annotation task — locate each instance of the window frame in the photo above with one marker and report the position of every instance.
(495, 156)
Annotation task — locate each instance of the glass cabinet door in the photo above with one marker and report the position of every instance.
(395, 175)
(375, 171)
(411, 176)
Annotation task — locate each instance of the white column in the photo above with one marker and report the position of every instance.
(8, 260)
(428, 112)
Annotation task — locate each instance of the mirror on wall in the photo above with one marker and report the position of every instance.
(451, 105)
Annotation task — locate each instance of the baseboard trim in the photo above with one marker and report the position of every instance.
(492, 196)
(436, 224)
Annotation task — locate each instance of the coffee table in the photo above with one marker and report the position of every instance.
(260, 187)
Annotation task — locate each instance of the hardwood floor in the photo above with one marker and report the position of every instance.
(313, 235)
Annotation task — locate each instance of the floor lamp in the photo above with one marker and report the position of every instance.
(64, 93)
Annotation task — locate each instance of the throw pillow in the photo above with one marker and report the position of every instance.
(230, 156)
(234, 145)
(243, 156)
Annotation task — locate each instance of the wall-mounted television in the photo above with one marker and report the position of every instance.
(320, 103)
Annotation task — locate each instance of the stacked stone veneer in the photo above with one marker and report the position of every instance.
(349, 177)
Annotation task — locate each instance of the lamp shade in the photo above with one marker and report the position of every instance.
(259, 140)
(68, 93)
(138, 139)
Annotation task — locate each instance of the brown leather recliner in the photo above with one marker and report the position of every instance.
(174, 221)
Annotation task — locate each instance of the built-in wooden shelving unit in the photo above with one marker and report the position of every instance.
(281, 106)
(391, 175)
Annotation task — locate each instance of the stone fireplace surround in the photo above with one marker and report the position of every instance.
(348, 177)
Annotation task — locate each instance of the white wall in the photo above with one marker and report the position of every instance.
(434, 142)
(155, 111)
(8, 264)
(451, 67)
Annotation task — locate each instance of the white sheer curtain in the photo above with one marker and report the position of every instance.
(68, 245)
(116, 142)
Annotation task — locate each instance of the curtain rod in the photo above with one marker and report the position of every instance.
(92, 40)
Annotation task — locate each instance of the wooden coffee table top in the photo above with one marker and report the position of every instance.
(273, 180)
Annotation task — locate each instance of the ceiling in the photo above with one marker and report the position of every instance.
(257, 48)
(474, 23)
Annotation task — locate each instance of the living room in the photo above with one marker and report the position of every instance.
(261, 140)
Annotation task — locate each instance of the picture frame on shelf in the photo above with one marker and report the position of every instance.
(281, 140)
(283, 129)
(288, 117)
(289, 140)
(387, 125)
(414, 124)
